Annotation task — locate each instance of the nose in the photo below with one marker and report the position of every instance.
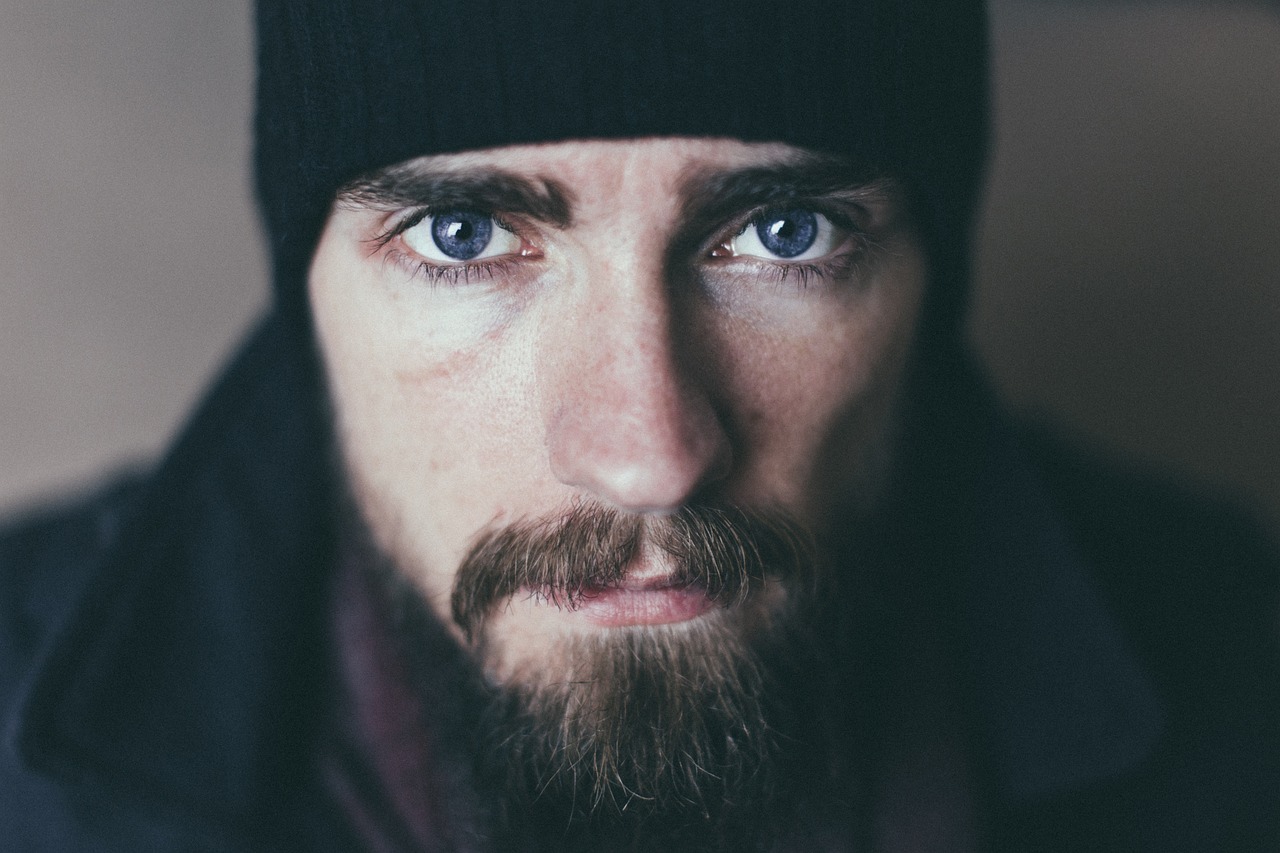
(628, 419)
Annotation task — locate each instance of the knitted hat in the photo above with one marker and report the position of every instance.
(345, 87)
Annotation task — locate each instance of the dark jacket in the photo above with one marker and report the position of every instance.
(162, 648)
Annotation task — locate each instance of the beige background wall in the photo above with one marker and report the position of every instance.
(1129, 266)
(1130, 270)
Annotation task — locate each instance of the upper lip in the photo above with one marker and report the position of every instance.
(646, 583)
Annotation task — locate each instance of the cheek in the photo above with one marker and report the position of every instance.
(812, 399)
(425, 392)
(453, 422)
(428, 483)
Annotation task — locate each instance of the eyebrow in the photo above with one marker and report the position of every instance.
(714, 197)
(711, 196)
(488, 190)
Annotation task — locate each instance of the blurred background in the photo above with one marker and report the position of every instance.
(1129, 255)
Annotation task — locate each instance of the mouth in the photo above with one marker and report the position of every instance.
(636, 601)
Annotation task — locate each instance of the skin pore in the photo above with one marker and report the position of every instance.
(625, 335)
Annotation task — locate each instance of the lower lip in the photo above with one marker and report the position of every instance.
(617, 607)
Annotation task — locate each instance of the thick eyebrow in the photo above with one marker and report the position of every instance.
(714, 197)
(487, 190)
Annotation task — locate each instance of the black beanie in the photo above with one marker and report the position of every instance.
(346, 87)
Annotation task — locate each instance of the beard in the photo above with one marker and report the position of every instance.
(710, 734)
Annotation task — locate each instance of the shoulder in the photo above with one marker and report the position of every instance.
(1175, 559)
(46, 554)
(1194, 583)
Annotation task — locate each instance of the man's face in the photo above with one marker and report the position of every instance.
(637, 326)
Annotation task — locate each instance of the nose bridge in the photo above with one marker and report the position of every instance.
(627, 419)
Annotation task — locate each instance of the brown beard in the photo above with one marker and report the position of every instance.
(724, 733)
(725, 550)
(687, 736)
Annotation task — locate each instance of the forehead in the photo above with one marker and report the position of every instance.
(584, 160)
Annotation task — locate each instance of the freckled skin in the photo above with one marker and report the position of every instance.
(603, 368)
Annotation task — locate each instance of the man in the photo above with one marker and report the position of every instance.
(609, 475)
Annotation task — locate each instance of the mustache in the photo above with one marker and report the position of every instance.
(727, 550)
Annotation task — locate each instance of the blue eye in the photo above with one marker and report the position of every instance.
(461, 234)
(787, 233)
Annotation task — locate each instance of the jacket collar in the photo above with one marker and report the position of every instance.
(1063, 698)
(182, 675)
(186, 673)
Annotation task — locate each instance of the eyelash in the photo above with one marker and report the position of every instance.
(433, 273)
(451, 274)
(798, 274)
(802, 274)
